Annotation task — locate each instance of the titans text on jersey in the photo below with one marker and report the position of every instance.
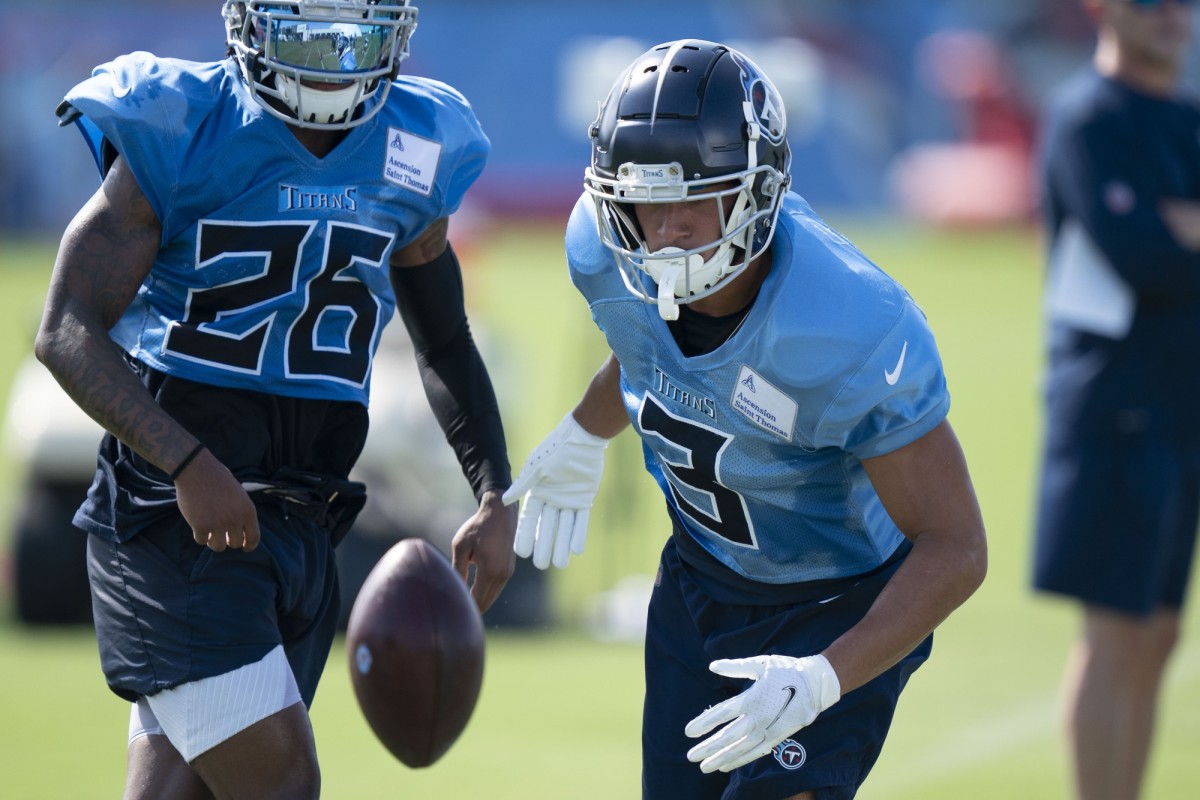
(756, 444)
(273, 272)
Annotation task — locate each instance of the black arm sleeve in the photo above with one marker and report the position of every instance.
(430, 301)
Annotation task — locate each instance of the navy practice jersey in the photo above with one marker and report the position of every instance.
(273, 271)
(1122, 295)
(757, 444)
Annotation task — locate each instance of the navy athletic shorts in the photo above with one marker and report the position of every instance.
(1116, 521)
(169, 611)
(687, 629)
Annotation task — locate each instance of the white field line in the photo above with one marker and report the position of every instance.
(990, 738)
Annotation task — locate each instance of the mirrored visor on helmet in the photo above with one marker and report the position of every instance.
(337, 48)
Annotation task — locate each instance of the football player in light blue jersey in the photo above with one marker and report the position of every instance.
(792, 407)
(216, 306)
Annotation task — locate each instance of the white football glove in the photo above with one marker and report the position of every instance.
(559, 483)
(788, 694)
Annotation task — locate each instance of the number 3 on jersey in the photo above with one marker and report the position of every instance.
(695, 474)
(271, 282)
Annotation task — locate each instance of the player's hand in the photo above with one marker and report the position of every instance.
(485, 540)
(788, 694)
(215, 504)
(559, 483)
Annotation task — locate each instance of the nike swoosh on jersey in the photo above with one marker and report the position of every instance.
(894, 375)
(791, 690)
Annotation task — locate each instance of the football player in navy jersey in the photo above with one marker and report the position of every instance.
(216, 307)
(1120, 476)
(792, 407)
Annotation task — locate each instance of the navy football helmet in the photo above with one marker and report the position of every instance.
(285, 47)
(689, 120)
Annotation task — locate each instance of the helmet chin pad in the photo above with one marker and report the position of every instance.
(688, 274)
(318, 105)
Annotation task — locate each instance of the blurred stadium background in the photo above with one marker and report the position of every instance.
(879, 92)
(913, 124)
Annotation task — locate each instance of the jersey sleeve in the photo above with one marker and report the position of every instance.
(897, 395)
(472, 158)
(138, 106)
(443, 113)
(594, 270)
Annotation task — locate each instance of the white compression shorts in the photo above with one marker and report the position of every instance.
(198, 716)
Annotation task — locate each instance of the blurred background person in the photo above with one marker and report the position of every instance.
(1117, 513)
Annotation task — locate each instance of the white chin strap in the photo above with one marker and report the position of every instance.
(316, 105)
(671, 276)
(685, 276)
(668, 309)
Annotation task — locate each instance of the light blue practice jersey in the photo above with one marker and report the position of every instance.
(273, 272)
(757, 444)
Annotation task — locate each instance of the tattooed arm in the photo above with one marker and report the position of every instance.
(105, 254)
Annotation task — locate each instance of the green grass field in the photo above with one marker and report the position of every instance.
(559, 713)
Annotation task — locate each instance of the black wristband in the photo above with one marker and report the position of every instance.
(186, 460)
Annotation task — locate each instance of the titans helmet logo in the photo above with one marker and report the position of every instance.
(765, 100)
(769, 109)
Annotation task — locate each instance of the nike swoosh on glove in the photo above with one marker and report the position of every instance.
(788, 694)
(559, 482)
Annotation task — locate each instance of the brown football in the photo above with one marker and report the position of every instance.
(415, 643)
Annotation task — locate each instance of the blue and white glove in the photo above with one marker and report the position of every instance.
(559, 483)
(788, 694)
